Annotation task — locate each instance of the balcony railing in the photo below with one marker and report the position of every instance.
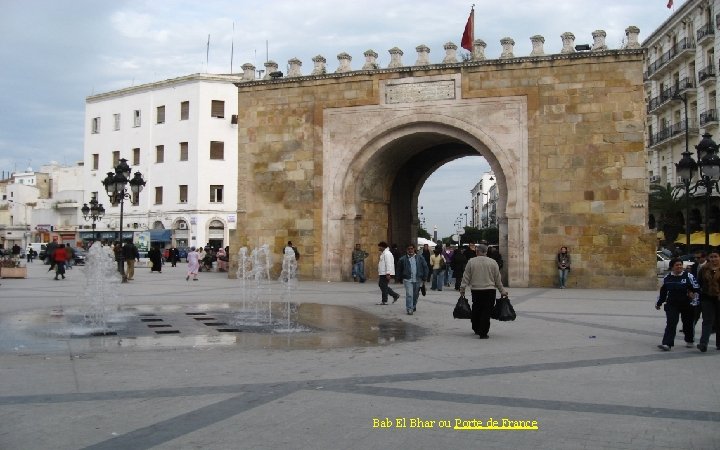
(705, 31)
(672, 131)
(665, 58)
(706, 73)
(711, 115)
(668, 94)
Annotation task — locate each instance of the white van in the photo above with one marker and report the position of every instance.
(39, 247)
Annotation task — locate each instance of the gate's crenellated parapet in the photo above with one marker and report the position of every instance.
(451, 56)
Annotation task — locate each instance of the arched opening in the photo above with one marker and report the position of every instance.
(216, 234)
(181, 235)
(376, 193)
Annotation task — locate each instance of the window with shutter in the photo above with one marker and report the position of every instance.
(159, 153)
(216, 193)
(217, 150)
(161, 114)
(217, 109)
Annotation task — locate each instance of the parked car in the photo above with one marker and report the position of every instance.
(663, 262)
(79, 256)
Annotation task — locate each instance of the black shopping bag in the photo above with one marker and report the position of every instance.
(462, 309)
(503, 310)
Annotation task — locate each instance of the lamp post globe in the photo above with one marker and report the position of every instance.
(709, 176)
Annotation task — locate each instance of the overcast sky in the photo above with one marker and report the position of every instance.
(55, 53)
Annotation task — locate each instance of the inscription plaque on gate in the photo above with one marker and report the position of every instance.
(420, 92)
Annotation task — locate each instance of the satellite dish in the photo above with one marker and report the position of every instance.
(460, 232)
(455, 238)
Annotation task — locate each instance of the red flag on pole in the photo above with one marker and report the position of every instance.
(669, 5)
(469, 34)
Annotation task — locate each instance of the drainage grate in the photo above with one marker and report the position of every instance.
(151, 320)
(229, 330)
(196, 314)
(103, 333)
(204, 318)
(214, 324)
(167, 331)
(163, 325)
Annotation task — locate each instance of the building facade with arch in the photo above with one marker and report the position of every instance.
(330, 160)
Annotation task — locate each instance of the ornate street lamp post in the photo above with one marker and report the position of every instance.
(115, 186)
(709, 164)
(94, 212)
(709, 177)
(686, 169)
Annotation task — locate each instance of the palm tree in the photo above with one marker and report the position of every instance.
(668, 201)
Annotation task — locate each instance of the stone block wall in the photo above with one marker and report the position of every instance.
(588, 189)
(586, 185)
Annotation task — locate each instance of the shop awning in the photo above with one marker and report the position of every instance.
(160, 235)
(698, 238)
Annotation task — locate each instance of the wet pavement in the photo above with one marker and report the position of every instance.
(583, 364)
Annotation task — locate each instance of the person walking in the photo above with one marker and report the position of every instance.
(448, 254)
(70, 255)
(130, 255)
(709, 279)
(458, 263)
(679, 294)
(482, 276)
(60, 258)
(426, 255)
(50, 252)
(155, 257)
(563, 265)
(437, 263)
(412, 270)
(494, 253)
(222, 260)
(174, 256)
(358, 263)
(386, 270)
(396, 257)
(193, 264)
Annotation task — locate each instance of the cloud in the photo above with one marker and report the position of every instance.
(55, 53)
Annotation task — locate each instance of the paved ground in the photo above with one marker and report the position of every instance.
(582, 363)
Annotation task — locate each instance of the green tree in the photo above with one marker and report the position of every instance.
(668, 202)
(423, 233)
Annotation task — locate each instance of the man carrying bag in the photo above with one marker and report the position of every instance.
(482, 275)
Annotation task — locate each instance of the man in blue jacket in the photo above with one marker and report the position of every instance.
(413, 270)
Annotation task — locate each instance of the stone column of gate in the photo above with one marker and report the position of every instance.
(339, 229)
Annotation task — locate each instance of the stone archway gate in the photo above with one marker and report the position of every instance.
(330, 160)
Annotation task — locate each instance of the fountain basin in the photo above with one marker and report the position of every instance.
(308, 326)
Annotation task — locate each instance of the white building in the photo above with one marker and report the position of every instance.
(681, 75)
(484, 198)
(37, 206)
(181, 135)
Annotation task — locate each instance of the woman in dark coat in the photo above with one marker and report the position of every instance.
(156, 259)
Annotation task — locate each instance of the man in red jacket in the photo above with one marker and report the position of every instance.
(60, 256)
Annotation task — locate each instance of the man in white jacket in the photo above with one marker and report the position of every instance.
(386, 270)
